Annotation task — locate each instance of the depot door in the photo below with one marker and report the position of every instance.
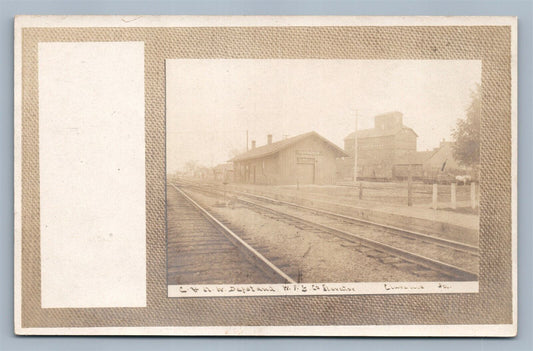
(306, 173)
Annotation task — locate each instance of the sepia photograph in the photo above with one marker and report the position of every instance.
(265, 175)
(322, 171)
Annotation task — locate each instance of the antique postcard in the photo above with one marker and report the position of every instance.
(322, 176)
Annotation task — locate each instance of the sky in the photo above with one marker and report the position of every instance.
(211, 104)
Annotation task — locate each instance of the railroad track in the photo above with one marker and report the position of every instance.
(385, 251)
(202, 249)
(467, 248)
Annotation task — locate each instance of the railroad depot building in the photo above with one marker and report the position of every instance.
(304, 159)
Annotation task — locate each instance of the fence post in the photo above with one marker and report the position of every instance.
(473, 195)
(360, 190)
(454, 198)
(409, 187)
(435, 193)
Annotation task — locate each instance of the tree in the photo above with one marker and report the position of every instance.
(467, 132)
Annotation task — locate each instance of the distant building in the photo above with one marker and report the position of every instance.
(223, 172)
(388, 151)
(304, 159)
(202, 173)
(381, 151)
(413, 163)
(442, 161)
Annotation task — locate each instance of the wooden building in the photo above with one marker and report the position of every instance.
(435, 165)
(304, 159)
(380, 150)
(413, 163)
(442, 162)
(223, 172)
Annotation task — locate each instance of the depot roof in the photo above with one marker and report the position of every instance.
(270, 149)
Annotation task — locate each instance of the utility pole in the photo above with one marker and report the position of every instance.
(355, 149)
(356, 155)
(409, 180)
(246, 139)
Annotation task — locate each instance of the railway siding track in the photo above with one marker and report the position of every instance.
(385, 253)
(435, 250)
(471, 249)
(444, 268)
(459, 246)
(467, 248)
(202, 241)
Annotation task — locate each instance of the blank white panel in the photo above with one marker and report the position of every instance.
(92, 174)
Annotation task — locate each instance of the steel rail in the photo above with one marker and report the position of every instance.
(263, 263)
(420, 260)
(470, 249)
(423, 261)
